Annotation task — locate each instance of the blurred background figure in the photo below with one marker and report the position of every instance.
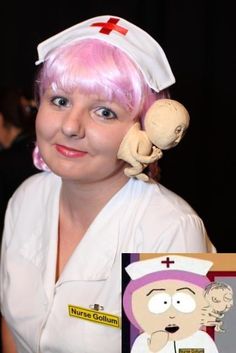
(17, 136)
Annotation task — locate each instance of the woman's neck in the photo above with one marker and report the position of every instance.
(79, 206)
(82, 202)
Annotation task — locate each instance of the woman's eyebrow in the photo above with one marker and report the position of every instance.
(155, 289)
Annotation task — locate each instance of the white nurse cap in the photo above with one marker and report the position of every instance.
(138, 45)
(139, 269)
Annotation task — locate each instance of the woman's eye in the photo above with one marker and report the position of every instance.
(105, 113)
(60, 101)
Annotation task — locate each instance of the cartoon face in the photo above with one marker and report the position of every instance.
(220, 299)
(169, 305)
(166, 122)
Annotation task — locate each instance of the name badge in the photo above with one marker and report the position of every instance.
(95, 316)
(191, 350)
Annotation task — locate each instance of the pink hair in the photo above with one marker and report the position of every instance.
(96, 67)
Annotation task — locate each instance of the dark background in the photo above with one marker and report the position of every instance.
(198, 38)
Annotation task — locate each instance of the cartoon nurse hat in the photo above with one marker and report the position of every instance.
(179, 267)
(135, 42)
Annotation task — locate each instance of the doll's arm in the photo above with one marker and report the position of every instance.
(137, 150)
(156, 154)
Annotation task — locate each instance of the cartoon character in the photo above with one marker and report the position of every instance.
(219, 296)
(164, 125)
(164, 300)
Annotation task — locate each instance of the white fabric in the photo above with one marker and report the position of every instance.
(141, 268)
(139, 218)
(138, 44)
(200, 339)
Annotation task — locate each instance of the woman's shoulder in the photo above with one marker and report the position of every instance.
(35, 200)
(168, 222)
(165, 200)
(36, 189)
(158, 207)
(41, 180)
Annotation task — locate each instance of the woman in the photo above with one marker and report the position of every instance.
(66, 228)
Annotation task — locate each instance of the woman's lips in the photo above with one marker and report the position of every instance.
(69, 152)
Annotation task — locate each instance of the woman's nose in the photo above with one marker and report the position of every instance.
(73, 125)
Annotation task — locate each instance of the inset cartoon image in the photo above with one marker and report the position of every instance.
(167, 301)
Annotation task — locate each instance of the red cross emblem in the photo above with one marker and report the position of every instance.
(167, 262)
(110, 25)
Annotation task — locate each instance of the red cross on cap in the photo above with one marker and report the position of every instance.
(110, 25)
(167, 262)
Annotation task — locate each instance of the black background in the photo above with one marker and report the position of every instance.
(198, 38)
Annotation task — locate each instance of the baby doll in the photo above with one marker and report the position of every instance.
(164, 125)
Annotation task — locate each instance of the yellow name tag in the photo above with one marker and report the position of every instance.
(191, 350)
(98, 317)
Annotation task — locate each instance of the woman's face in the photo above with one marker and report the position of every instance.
(79, 135)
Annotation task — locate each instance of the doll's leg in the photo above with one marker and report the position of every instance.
(136, 171)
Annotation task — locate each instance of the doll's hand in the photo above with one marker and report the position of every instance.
(157, 341)
(156, 152)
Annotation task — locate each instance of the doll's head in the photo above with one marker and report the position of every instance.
(219, 295)
(166, 122)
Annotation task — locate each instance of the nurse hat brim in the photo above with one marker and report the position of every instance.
(135, 42)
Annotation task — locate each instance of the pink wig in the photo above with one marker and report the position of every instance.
(96, 67)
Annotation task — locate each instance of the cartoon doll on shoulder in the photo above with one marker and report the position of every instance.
(219, 297)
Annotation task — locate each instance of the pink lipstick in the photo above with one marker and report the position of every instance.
(69, 152)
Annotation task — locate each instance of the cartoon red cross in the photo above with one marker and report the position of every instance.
(110, 25)
(167, 262)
